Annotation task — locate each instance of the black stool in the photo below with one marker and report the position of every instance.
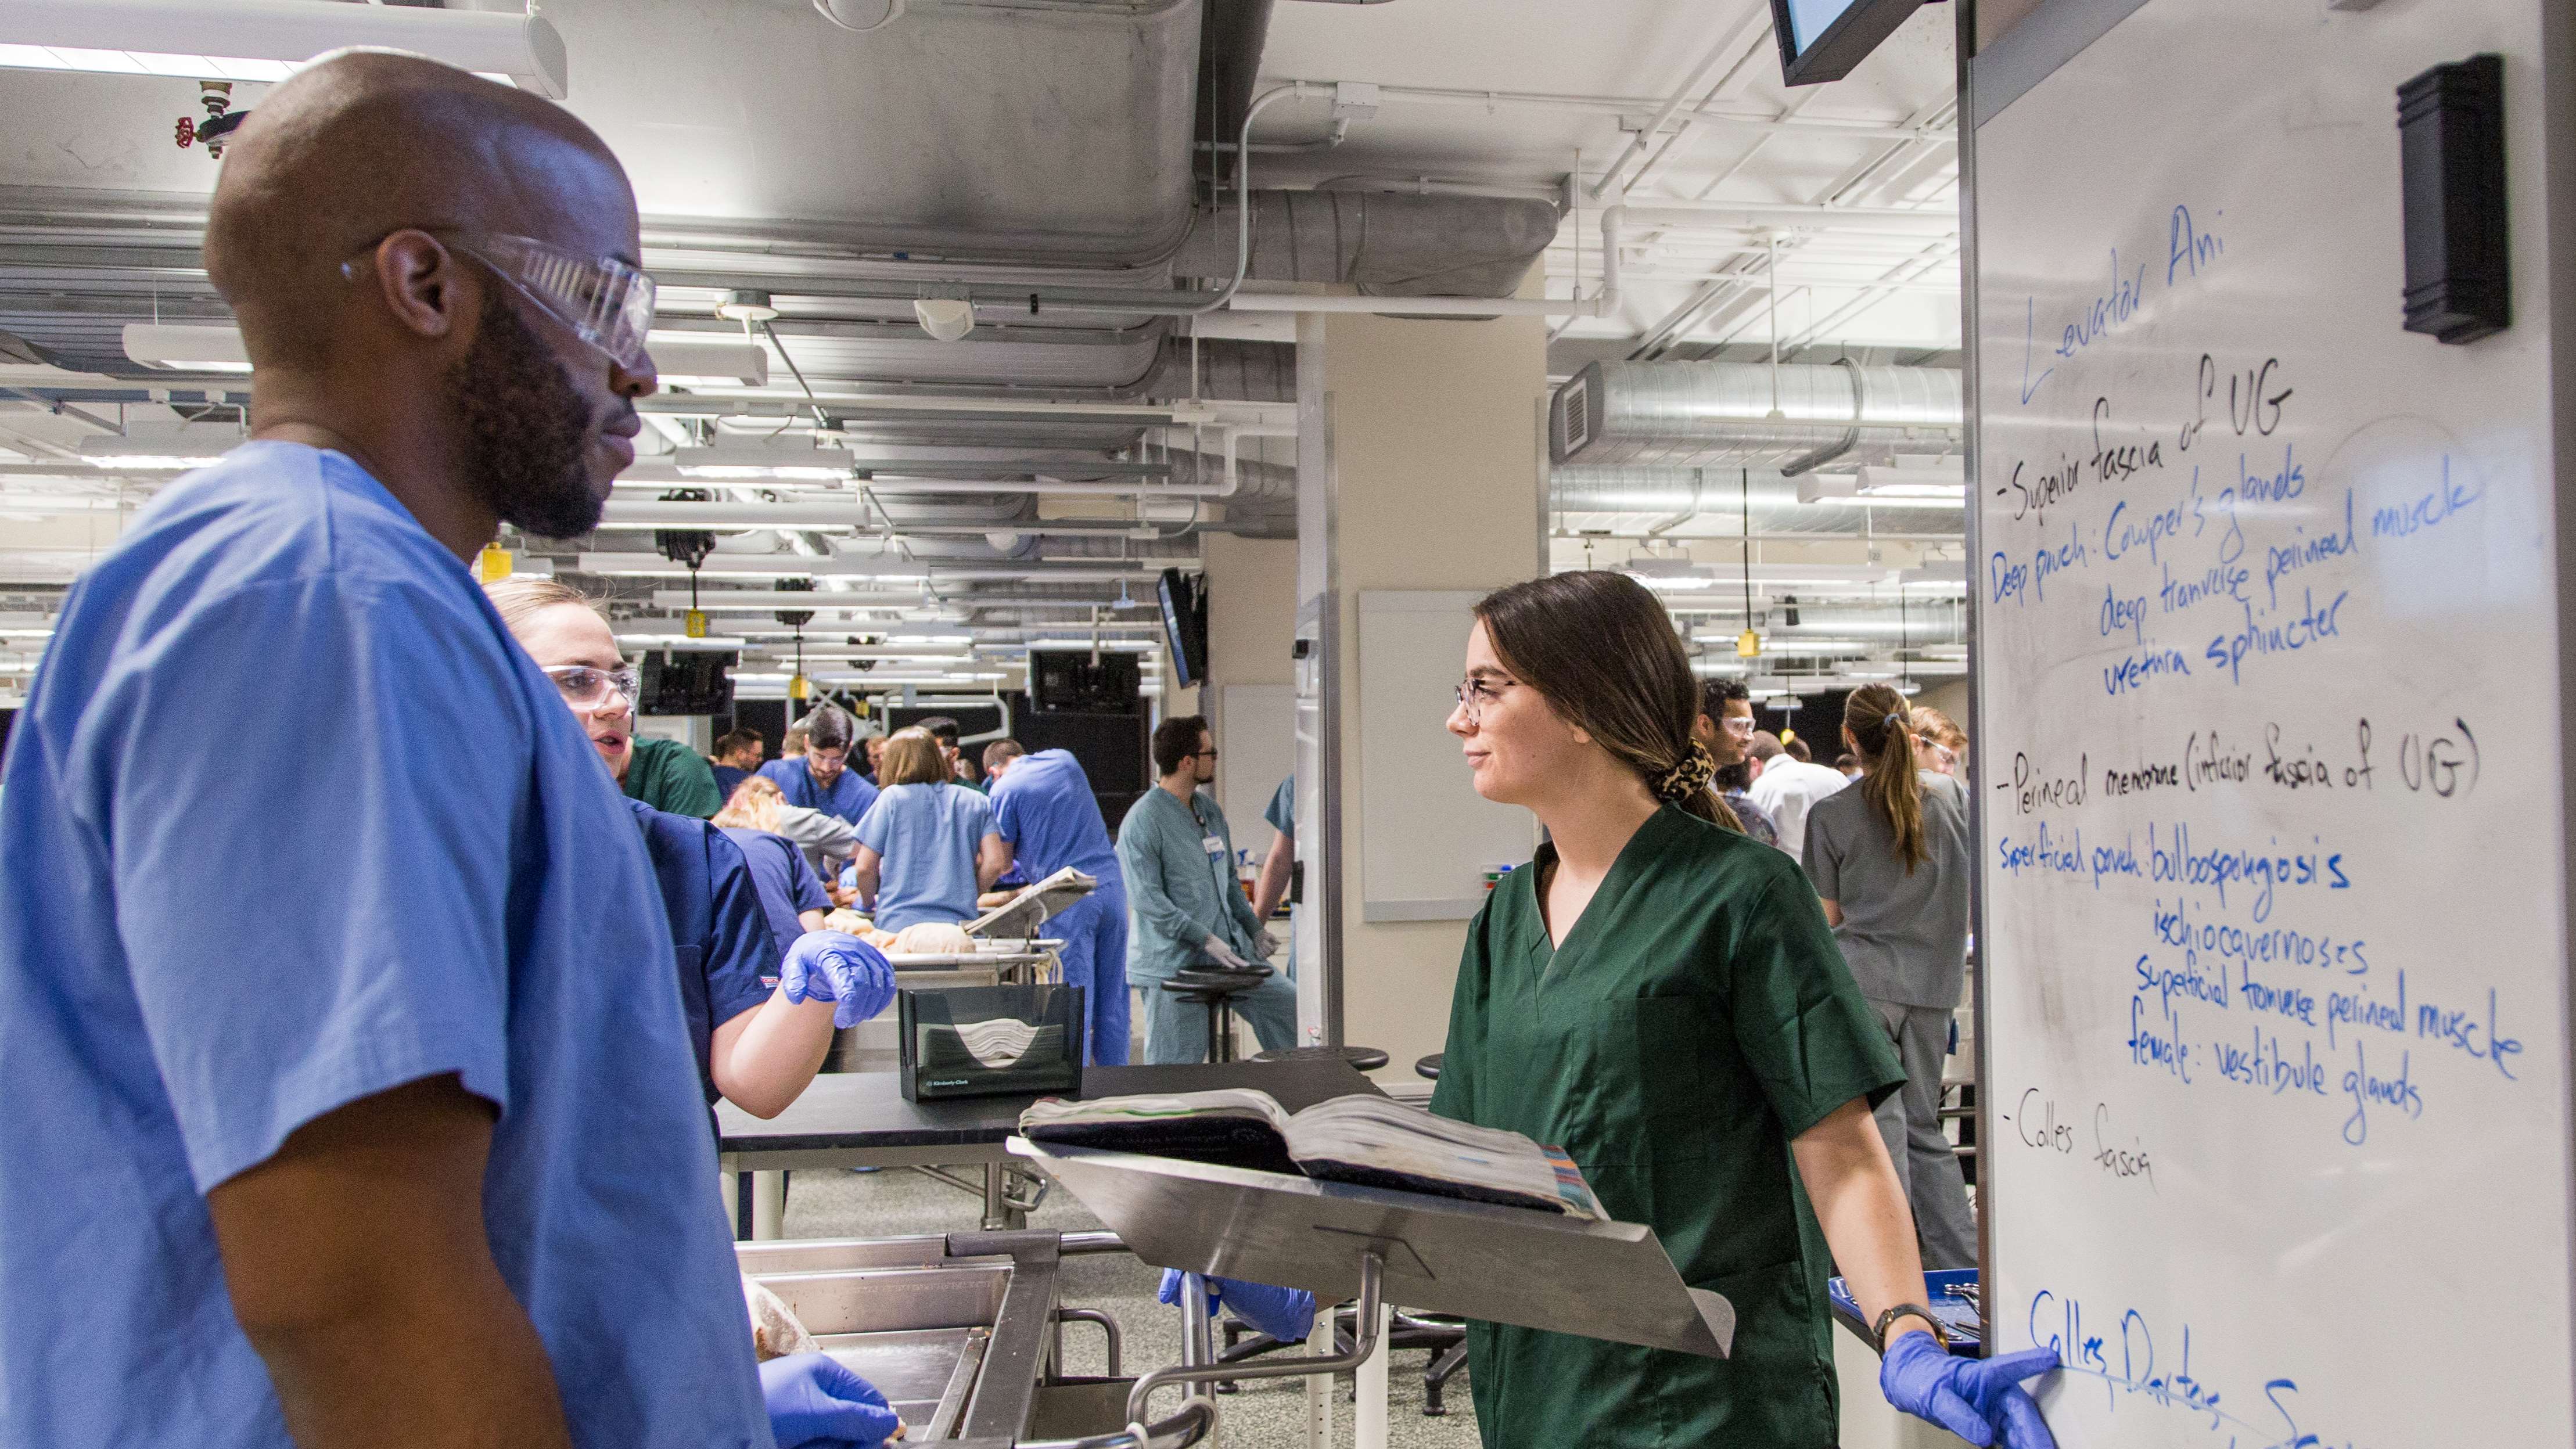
(1362, 1059)
(1216, 988)
(1429, 1067)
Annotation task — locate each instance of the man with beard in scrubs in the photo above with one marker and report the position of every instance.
(340, 1112)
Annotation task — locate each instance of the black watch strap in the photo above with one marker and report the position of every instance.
(1878, 1331)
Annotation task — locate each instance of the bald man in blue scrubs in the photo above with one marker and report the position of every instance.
(349, 1100)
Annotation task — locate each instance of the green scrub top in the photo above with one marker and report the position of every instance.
(1698, 1018)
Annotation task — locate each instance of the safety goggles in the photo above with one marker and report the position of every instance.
(1740, 726)
(605, 302)
(587, 688)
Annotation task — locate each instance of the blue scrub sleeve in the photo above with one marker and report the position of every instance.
(1141, 852)
(1810, 1039)
(1006, 811)
(1282, 813)
(740, 948)
(804, 888)
(874, 823)
(312, 900)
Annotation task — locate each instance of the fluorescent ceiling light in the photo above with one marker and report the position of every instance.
(683, 644)
(764, 566)
(691, 361)
(187, 349)
(163, 451)
(268, 40)
(1775, 644)
(763, 600)
(215, 347)
(741, 461)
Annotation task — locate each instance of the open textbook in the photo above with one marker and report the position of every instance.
(1360, 1138)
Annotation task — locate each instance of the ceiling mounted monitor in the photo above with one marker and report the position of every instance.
(1821, 40)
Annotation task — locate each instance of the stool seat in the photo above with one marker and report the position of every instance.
(1216, 980)
(1365, 1059)
(1429, 1067)
(1215, 988)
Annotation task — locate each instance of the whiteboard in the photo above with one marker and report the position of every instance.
(2273, 857)
(1426, 837)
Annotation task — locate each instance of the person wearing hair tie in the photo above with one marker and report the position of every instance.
(1890, 859)
(1661, 997)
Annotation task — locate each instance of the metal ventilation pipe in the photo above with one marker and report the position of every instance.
(1682, 413)
(1449, 246)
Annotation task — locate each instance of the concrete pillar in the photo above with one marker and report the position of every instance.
(1252, 616)
(1421, 456)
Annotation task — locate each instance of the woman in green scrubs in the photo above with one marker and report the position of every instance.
(1660, 996)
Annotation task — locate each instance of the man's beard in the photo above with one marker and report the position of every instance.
(527, 430)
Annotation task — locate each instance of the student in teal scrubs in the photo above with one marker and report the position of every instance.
(1660, 996)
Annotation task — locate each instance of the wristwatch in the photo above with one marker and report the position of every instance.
(1878, 1331)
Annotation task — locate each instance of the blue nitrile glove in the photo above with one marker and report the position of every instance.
(1980, 1400)
(813, 1398)
(838, 967)
(1286, 1314)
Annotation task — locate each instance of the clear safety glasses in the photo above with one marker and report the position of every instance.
(605, 302)
(587, 688)
(1739, 726)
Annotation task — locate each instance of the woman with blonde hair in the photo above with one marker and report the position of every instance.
(927, 847)
(758, 804)
(1660, 996)
(1890, 858)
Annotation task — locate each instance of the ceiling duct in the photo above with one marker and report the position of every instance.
(1382, 243)
(1683, 414)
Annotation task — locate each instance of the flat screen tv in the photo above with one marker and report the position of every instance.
(1184, 599)
(1821, 40)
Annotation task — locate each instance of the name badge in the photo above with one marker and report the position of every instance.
(1214, 844)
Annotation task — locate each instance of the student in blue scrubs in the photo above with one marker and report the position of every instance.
(1044, 810)
(339, 1110)
(821, 778)
(759, 1039)
(927, 848)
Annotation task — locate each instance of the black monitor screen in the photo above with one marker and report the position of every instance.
(1821, 40)
(1185, 624)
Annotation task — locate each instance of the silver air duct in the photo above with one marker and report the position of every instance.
(1679, 414)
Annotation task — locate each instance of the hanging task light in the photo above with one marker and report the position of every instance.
(1748, 645)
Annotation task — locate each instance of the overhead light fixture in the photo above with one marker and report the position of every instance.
(749, 566)
(212, 348)
(696, 362)
(216, 347)
(166, 451)
(740, 461)
(746, 305)
(269, 40)
(945, 318)
(1782, 644)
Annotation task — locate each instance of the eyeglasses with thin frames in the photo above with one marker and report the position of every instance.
(1476, 692)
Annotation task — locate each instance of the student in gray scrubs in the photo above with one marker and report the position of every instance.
(1890, 858)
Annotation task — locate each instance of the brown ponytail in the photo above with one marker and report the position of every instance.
(1602, 651)
(1876, 717)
